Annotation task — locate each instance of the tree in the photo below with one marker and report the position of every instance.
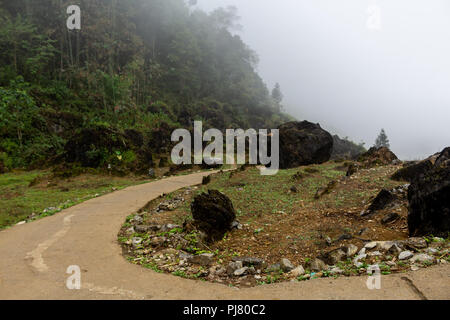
(382, 140)
(277, 96)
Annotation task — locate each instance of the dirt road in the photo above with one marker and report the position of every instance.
(34, 258)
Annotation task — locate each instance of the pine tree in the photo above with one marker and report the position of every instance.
(277, 96)
(382, 140)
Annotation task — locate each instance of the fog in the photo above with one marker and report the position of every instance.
(353, 71)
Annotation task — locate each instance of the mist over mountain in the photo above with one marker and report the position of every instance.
(336, 69)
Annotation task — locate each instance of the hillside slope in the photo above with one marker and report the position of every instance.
(136, 70)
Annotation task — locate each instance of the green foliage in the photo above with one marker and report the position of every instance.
(136, 64)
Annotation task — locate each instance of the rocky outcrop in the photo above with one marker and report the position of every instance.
(413, 171)
(303, 143)
(429, 200)
(213, 213)
(377, 156)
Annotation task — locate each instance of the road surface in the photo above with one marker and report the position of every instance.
(34, 258)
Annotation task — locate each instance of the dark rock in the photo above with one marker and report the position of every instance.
(294, 189)
(352, 169)
(303, 143)
(206, 180)
(381, 201)
(213, 213)
(413, 171)
(429, 200)
(377, 156)
(390, 217)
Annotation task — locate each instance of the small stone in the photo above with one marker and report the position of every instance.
(336, 270)
(138, 219)
(375, 254)
(405, 255)
(371, 245)
(423, 258)
(307, 276)
(20, 223)
(157, 241)
(274, 268)
(233, 266)
(221, 271)
(141, 228)
(204, 259)
(130, 230)
(257, 277)
(416, 243)
(328, 241)
(390, 217)
(136, 241)
(351, 250)
(286, 265)
(391, 263)
(362, 251)
(431, 251)
(414, 268)
(317, 265)
(297, 271)
(240, 272)
(236, 225)
(334, 256)
(250, 261)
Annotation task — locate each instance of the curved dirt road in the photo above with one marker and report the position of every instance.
(34, 258)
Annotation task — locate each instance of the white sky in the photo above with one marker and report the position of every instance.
(353, 80)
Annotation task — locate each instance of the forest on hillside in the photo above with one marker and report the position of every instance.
(135, 70)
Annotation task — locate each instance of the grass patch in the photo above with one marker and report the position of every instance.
(18, 200)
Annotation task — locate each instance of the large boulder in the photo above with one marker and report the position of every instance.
(413, 171)
(429, 200)
(213, 213)
(377, 156)
(304, 143)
